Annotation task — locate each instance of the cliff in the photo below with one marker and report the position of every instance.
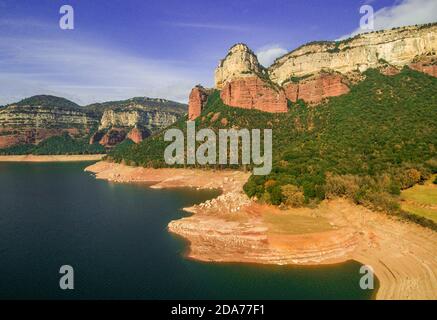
(254, 93)
(316, 88)
(398, 47)
(197, 101)
(134, 118)
(245, 83)
(239, 62)
(319, 70)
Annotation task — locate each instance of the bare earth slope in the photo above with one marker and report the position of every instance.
(231, 227)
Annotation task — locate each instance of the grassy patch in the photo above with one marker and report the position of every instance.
(430, 214)
(291, 223)
(421, 200)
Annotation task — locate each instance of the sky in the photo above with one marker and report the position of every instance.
(119, 49)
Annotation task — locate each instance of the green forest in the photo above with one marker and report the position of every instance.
(56, 145)
(367, 145)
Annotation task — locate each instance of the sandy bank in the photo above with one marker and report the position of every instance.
(226, 180)
(231, 227)
(52, 158)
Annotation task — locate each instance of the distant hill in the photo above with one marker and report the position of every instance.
(47, 101)
(366, 145)
(145, 102)
(36, 119)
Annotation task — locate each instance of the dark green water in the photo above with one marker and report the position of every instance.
(115, 237)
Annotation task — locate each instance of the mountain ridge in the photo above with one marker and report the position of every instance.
(35, 119)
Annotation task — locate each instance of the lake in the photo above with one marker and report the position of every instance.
(115, 237)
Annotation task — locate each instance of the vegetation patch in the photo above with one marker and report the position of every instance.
(57, 145)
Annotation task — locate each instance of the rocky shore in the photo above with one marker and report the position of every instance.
(233, 228)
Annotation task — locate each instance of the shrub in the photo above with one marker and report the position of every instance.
(432, 164)
(292, 195)
(341, 186)
(409, 178)
(276, 195)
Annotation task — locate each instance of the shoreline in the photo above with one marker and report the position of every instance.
(233, 228)
(51, 158)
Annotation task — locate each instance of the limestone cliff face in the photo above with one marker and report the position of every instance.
(320, 70)
(239, 62)
(118, 123)
(136, 116)
(31, 124)
(244, 82)
(398, 47)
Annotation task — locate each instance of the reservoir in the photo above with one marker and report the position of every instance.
(115, 237)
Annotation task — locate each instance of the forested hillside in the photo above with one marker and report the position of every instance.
(367, 145)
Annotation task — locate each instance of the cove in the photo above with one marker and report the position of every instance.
(115, 237)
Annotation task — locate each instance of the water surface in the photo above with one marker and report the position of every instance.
(115, 237)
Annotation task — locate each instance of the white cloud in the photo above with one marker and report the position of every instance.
(268, 54)
(86, 72)
(21, 23)
(404, 12)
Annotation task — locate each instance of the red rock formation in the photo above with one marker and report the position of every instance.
(317, 88)
(197, 101)
(116, 135)
(291, 90)
(430, 69)
(254, 93)
(113, 137)
(389, 70)
(8, 141)
(96, 137)
(136, 135)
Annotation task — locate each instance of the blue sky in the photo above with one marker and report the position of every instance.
(124, 48)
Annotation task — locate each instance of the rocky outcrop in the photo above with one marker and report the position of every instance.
(239, 62)
(133, 122)
(315, 89)
(244, 82)
(136, 116)
(112, 137)
(398, 47)
(197, 100)
(426, 64)
(137, 135)
(320, 70)
(254, 93)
